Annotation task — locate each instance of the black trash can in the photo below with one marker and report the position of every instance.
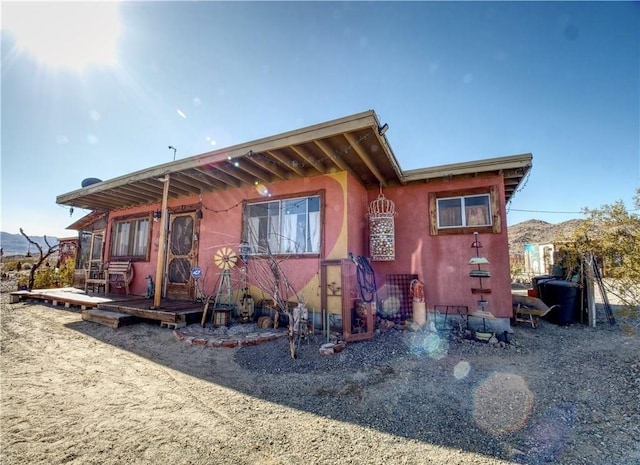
(566, 294)
(537, 280)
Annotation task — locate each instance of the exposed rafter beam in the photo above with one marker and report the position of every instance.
(132, 193)
(234, 172)
(246, 164)
(180, 185)
(88, 202)
(366, 160)
(268, 165)
(197, 181)
(339, 162)
(286, 162)
(308, 158)
(220, 176)
(112, 199)
(174, 191)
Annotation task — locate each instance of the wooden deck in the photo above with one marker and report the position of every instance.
(67, 296)
(170, 311)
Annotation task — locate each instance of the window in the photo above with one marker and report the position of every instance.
(290, 226)
(130, 239)
(456, 212)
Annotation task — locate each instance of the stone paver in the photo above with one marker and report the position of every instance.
(234, 336)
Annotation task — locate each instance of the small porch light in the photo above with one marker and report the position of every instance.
(382, 129)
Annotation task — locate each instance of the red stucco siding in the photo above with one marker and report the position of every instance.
(441, 261)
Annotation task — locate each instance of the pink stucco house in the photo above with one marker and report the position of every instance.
(310, 198)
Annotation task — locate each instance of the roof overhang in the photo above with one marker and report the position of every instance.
(513, 169)
(355, 144)
(87, 220)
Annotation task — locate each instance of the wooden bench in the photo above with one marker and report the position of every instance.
(120, 275)
(113, 274)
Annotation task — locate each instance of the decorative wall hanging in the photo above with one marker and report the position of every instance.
(382, 212)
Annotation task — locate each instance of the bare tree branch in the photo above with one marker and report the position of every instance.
(42, 256)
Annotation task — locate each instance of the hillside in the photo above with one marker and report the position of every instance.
(16, 244)
(538, 232)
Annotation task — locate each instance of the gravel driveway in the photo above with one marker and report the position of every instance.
(77, 392)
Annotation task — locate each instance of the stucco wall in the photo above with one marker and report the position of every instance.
(441, 262)
(221, 226)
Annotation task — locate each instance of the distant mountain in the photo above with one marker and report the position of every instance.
(16, 244)
(539, 232)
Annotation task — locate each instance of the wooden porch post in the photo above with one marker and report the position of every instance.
(162, 246)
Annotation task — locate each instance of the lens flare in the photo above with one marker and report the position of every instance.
(427, 343)
(262, 190)
(502, 403)
(461, 370)
(546, 439)
(391, 305)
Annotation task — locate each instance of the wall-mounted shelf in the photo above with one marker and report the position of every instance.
(481, 291)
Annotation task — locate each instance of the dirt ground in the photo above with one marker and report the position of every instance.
(80, 393)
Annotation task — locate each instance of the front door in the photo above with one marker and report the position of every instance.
(96, 251)
(182, 251)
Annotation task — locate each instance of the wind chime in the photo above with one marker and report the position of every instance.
(382, 212)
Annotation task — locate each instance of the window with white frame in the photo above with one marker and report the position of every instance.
(464, 211)
(288, 226)
(130, 238)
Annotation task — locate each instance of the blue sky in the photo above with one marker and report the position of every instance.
(455, 81)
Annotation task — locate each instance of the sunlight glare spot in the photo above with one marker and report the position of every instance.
(71, 35)
(502, 404)
(461, 370)
(262, 190)
(92, 139)
(181, 113)
(94, 115)
(427, 343)
(61, 139)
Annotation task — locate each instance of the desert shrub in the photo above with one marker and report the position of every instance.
(11, 265)
(66, 271)
(44, 278)
(612, 233)
(23, 280)
(517, 271)
(48, 277)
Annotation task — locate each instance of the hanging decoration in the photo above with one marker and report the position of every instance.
(382, 212)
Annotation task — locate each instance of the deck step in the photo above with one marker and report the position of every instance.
(107, 318)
